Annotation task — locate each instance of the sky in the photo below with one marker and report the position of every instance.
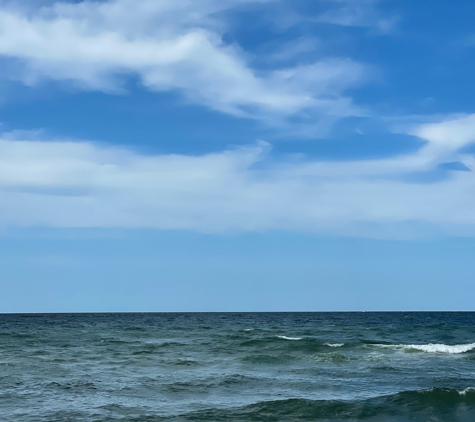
(237, 155)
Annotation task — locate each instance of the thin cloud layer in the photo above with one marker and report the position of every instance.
(170, 46)
(78, 184)
(362, 13)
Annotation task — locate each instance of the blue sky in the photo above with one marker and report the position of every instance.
(236, 155)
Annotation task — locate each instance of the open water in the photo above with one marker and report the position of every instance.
(237, 367)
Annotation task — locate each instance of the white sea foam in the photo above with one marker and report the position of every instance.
(248, 329)
(442, 348)
(465, 391)
(290, 338)
(334, 344)
(434, 348)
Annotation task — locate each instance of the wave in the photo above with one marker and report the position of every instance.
(416, 405)
(466, 391)
(443, 348)
(73, 385)
(289, 338)
(334, 344)
(433, 348)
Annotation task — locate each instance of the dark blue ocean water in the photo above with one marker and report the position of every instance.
(238, 367)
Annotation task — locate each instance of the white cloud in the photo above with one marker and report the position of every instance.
(79, 184)
(357, 13)
(170, 45)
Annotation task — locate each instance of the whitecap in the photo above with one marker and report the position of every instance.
(465, 391)
(289, 338)
(434, 348)
(334, 344)
(442, 348)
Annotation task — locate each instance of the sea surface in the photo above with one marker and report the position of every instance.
(398, 366)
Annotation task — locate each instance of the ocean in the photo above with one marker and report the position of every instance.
(388, 366)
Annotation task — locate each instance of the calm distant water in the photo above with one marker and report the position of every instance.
(238, 367)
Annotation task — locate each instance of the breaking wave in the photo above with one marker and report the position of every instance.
(289, 338)
(433, 348)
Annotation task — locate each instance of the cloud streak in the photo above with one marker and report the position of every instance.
(170, 46)
(79, 184)
(357, 13)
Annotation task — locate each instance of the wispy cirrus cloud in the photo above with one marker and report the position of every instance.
(79, 184)
(357, 13)
(371, 14)
(170, 46)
